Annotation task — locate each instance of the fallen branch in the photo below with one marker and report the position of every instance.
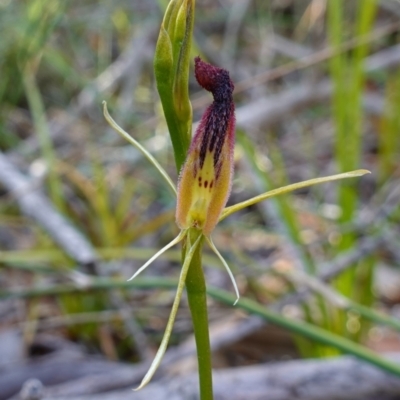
(342, 378)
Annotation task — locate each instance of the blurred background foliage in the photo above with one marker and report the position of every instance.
(317, 92)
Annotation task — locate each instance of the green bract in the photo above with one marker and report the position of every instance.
(171, 68)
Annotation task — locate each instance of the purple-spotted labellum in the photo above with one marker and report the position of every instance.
(206, 177)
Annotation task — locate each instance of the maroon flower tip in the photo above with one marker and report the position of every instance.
(215, 80)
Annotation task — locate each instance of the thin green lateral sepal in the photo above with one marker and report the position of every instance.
(290, 188)
(168, 330)
(173, 242)
(135, 143)
(225, 264)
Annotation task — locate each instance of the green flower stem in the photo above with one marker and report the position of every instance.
(190, 250)
(197, 297)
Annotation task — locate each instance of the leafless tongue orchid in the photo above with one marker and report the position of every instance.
(205, 183)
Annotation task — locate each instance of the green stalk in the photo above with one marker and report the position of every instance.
(313, 332)
(197, 298)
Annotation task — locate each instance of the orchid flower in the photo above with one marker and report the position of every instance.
(205, 183)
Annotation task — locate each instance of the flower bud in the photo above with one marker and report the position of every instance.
(206, 177)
